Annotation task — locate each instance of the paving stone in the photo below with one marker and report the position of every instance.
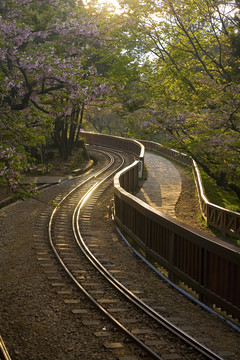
(81, 277)
(90, 322)
(71, 301)
(161, 191)
(141, 331)
(74, 265)
(79, 271)
(116, 345)
(155, 342)
(62, 244)
(107, 301)
(90, 284)
(102, 333)
(172, 357)
(128, 321)
(104, 261)
(47, 265)
(161, 310)
(96, 292)
(80, 311)
(57, 284)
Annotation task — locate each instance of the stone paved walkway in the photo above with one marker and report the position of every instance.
(163, 186)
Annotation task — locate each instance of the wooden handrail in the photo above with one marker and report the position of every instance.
(117, 142)
(207, 265)
(227, 221)
(210, 267)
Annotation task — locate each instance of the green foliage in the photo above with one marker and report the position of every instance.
(193, 85)
(47, 75)
(104, 120)
(54, 204)
(172, 66)
(78, 159)
(219, 195)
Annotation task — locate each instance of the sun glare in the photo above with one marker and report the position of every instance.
(109, 4)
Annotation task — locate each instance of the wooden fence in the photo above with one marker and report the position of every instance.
(207, 265)
(227, 221)
(116, 142)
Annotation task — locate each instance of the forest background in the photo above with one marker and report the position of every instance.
(166, 71)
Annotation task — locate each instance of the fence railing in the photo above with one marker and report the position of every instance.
(130, 145)
(207, 265)
(227, 221)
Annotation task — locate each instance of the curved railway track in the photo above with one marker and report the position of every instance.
(78, 249)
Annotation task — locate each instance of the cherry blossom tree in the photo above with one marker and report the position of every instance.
(45, 76)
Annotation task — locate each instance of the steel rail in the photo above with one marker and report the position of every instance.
(86, 196)
(128, 294)
(93, 260)
(4, 355)
(99, 306)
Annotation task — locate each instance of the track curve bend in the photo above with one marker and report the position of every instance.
(158, 328)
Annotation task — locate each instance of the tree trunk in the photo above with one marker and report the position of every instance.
(73, 127)
(80, 123)
(64, 141)
(67, 132)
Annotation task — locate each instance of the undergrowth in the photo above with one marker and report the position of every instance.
(219, 195)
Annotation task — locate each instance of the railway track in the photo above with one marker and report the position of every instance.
(77, 246)
(4, 355)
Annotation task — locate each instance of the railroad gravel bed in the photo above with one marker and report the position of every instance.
(36, 323)
(205, 327)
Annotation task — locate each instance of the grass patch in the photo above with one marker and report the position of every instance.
(219, 195)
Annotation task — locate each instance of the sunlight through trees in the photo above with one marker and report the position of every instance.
(166, 69)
